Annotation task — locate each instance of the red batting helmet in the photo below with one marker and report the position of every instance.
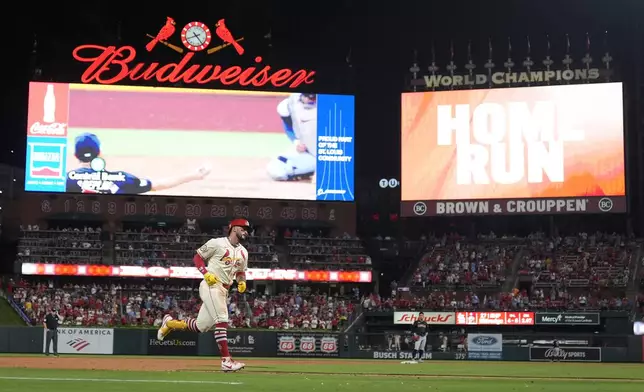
(239, 222)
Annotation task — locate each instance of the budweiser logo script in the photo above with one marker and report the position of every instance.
(111, 64)
(53, 129)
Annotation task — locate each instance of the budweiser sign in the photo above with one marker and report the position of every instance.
(443, 318)
(114, 64)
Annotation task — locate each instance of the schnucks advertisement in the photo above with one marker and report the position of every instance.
(433, 318)
(527, 150)
(126, 140)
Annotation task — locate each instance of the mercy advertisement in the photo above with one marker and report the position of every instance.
(125, 140)
(532, 150)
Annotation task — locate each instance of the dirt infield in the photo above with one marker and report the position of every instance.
(139, 364)
(238, 179)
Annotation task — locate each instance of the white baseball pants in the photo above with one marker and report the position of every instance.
(214, 307)
(420, 343)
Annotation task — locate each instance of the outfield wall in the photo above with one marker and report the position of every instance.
(245, 343)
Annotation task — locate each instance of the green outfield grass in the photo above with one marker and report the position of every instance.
(336, 375)
(8, 316)
(148, 143)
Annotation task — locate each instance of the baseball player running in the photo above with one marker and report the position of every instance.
(92, 176)
(419, 329)
(220, 260)
(299, 114)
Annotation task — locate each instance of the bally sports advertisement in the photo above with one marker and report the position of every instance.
(104, 139)
(528, 150)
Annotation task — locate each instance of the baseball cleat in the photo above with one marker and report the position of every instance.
(164, 330)
(228, 365)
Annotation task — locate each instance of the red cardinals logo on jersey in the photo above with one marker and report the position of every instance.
(232, 261)
(236, 261)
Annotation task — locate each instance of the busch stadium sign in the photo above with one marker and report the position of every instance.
(566, 318)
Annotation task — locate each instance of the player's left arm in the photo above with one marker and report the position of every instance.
(287, 121)
(240, 276)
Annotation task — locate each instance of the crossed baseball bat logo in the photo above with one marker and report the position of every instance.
(169, 28)
(181, 50)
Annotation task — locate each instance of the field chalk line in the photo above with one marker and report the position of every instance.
(121, 380)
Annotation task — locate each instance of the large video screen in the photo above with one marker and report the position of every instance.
(189, 142)
(528, 150)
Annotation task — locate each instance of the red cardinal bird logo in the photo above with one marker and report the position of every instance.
(225, 34)
(166, 32)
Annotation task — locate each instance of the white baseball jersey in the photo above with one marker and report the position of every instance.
(223, 259)
(305, 122)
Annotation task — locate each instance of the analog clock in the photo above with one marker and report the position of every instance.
(196, 36)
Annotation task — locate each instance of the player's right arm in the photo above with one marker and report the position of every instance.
(172, 182)
(134, 185)
(203, 256)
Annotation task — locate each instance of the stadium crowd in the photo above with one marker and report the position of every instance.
(598, 260)
(516, 300)
(574, 272)
(455, 261)
(145, 305)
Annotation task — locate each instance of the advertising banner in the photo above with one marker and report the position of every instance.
(297, 146)
(494, 318)
(191, 272)
(73, 340)
(177, 343)
(525, 150)
(568, 354)
(246, 343)
(434, 318)
(485, 346)
(407, 355)
(307, 344)
(567, 318)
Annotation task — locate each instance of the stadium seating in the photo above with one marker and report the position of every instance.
(60, 246)
(598, 260)
(155, 247)
(462, 263)
(176, 247)
(139, 304)
(309, 251)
